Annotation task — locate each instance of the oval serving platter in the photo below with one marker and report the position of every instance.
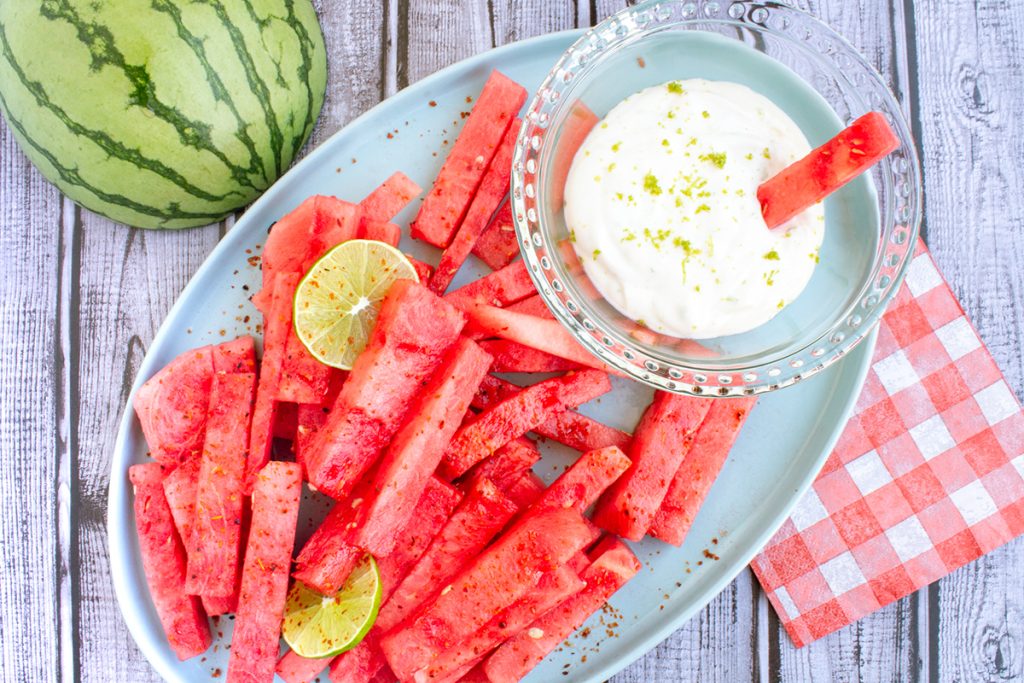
(781, 449)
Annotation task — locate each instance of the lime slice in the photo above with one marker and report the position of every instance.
(337, 302)
(318, 626)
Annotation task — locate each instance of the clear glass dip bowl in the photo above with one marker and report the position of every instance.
(823, 84)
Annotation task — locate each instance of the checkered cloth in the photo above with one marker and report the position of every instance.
(927, 476)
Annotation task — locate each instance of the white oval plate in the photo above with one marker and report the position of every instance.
(781, 449)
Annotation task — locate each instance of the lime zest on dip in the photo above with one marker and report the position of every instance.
(681, 239)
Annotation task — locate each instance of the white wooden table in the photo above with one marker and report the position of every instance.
(81, 299)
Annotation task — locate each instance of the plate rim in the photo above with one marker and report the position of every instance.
(118, 490)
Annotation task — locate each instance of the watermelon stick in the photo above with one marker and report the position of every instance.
(510, 356)
(446, 204)
(434, 508)
(553, 588)
(413, 332)
(497, 579)
(214, 548)
(419, 446)
(660, 443)
(268, 554)
(163, 562)
(543, 334)
(503, 287)
(389, 198)
(489, 195)
(701, 465)
(512, 417)
(498, 245)
(827, 168)
(507, 463)
(479, 517)
(568, 427)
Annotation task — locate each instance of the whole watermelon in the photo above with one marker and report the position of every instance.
(161, 113)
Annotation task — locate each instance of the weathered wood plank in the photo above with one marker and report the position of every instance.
(512, 21)
(981, 629)
(432, 35)
(879, 647)
(719, 644)
(356, 39)
(969, 67)
(36, 584)
(128, 281)
(602, 9)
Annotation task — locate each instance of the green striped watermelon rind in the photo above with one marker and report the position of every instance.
(161, 113)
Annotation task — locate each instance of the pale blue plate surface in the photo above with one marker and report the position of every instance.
(782, 447)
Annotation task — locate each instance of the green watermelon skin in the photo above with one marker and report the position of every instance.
(161, 113)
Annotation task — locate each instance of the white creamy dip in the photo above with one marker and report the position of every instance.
(661, 203)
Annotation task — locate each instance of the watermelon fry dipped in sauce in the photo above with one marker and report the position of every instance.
(799, 186)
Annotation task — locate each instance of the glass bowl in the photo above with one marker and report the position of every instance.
(823, 84)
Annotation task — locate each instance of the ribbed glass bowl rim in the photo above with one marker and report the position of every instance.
(586, 324)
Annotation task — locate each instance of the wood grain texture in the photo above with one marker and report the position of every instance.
(356, 37)
(83, 298)
(969, 60)
(980, 633)
(32, 420)
(720, 644)
(512, 21)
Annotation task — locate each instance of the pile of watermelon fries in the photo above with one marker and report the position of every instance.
(425, 451)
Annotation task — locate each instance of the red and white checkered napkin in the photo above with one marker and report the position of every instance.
(927, 476)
